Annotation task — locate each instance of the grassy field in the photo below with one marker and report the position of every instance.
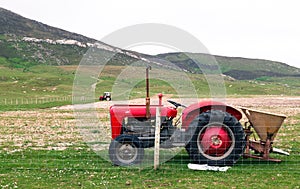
(39, 86)
(40, 81)
(44, 149)
(82, 168)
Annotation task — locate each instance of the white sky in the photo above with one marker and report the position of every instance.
(266, 29)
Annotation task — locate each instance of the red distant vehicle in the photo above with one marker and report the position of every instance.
(106, 96)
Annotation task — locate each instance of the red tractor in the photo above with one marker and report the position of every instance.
(211, 132)
(106, 96)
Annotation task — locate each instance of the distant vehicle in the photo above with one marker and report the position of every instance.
(106, 96)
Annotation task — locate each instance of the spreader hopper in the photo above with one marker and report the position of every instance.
(266, 125)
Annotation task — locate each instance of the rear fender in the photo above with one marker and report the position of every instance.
(190, 113)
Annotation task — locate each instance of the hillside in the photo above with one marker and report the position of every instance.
(17, 25)
(25, 43)
(236, 67)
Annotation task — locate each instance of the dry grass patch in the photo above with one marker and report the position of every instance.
(47, 129)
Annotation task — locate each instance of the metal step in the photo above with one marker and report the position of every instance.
(178, 144)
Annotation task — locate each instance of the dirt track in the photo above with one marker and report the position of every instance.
(275, 104)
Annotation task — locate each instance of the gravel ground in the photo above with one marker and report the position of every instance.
(56, 128)
(260, 102)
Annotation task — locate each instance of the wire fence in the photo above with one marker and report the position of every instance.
(40, 100)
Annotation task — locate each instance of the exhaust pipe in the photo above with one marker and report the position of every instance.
(148, 115)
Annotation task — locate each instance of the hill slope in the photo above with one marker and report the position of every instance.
(236, 67)
(17, 25)
(25, 43)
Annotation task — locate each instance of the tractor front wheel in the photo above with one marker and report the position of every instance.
(217, 138)
(126, 150)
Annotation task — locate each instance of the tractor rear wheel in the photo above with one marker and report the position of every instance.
(217, 138)
(126, 150)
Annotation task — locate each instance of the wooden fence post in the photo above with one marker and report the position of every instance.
(157, 138)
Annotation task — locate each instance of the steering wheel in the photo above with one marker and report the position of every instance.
(176, 104)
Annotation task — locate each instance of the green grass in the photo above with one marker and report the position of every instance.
(263, 87)
(80, 167)
(84, 169)
(33, 106)
(38, 87)
(50, 82)
(39, 81)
